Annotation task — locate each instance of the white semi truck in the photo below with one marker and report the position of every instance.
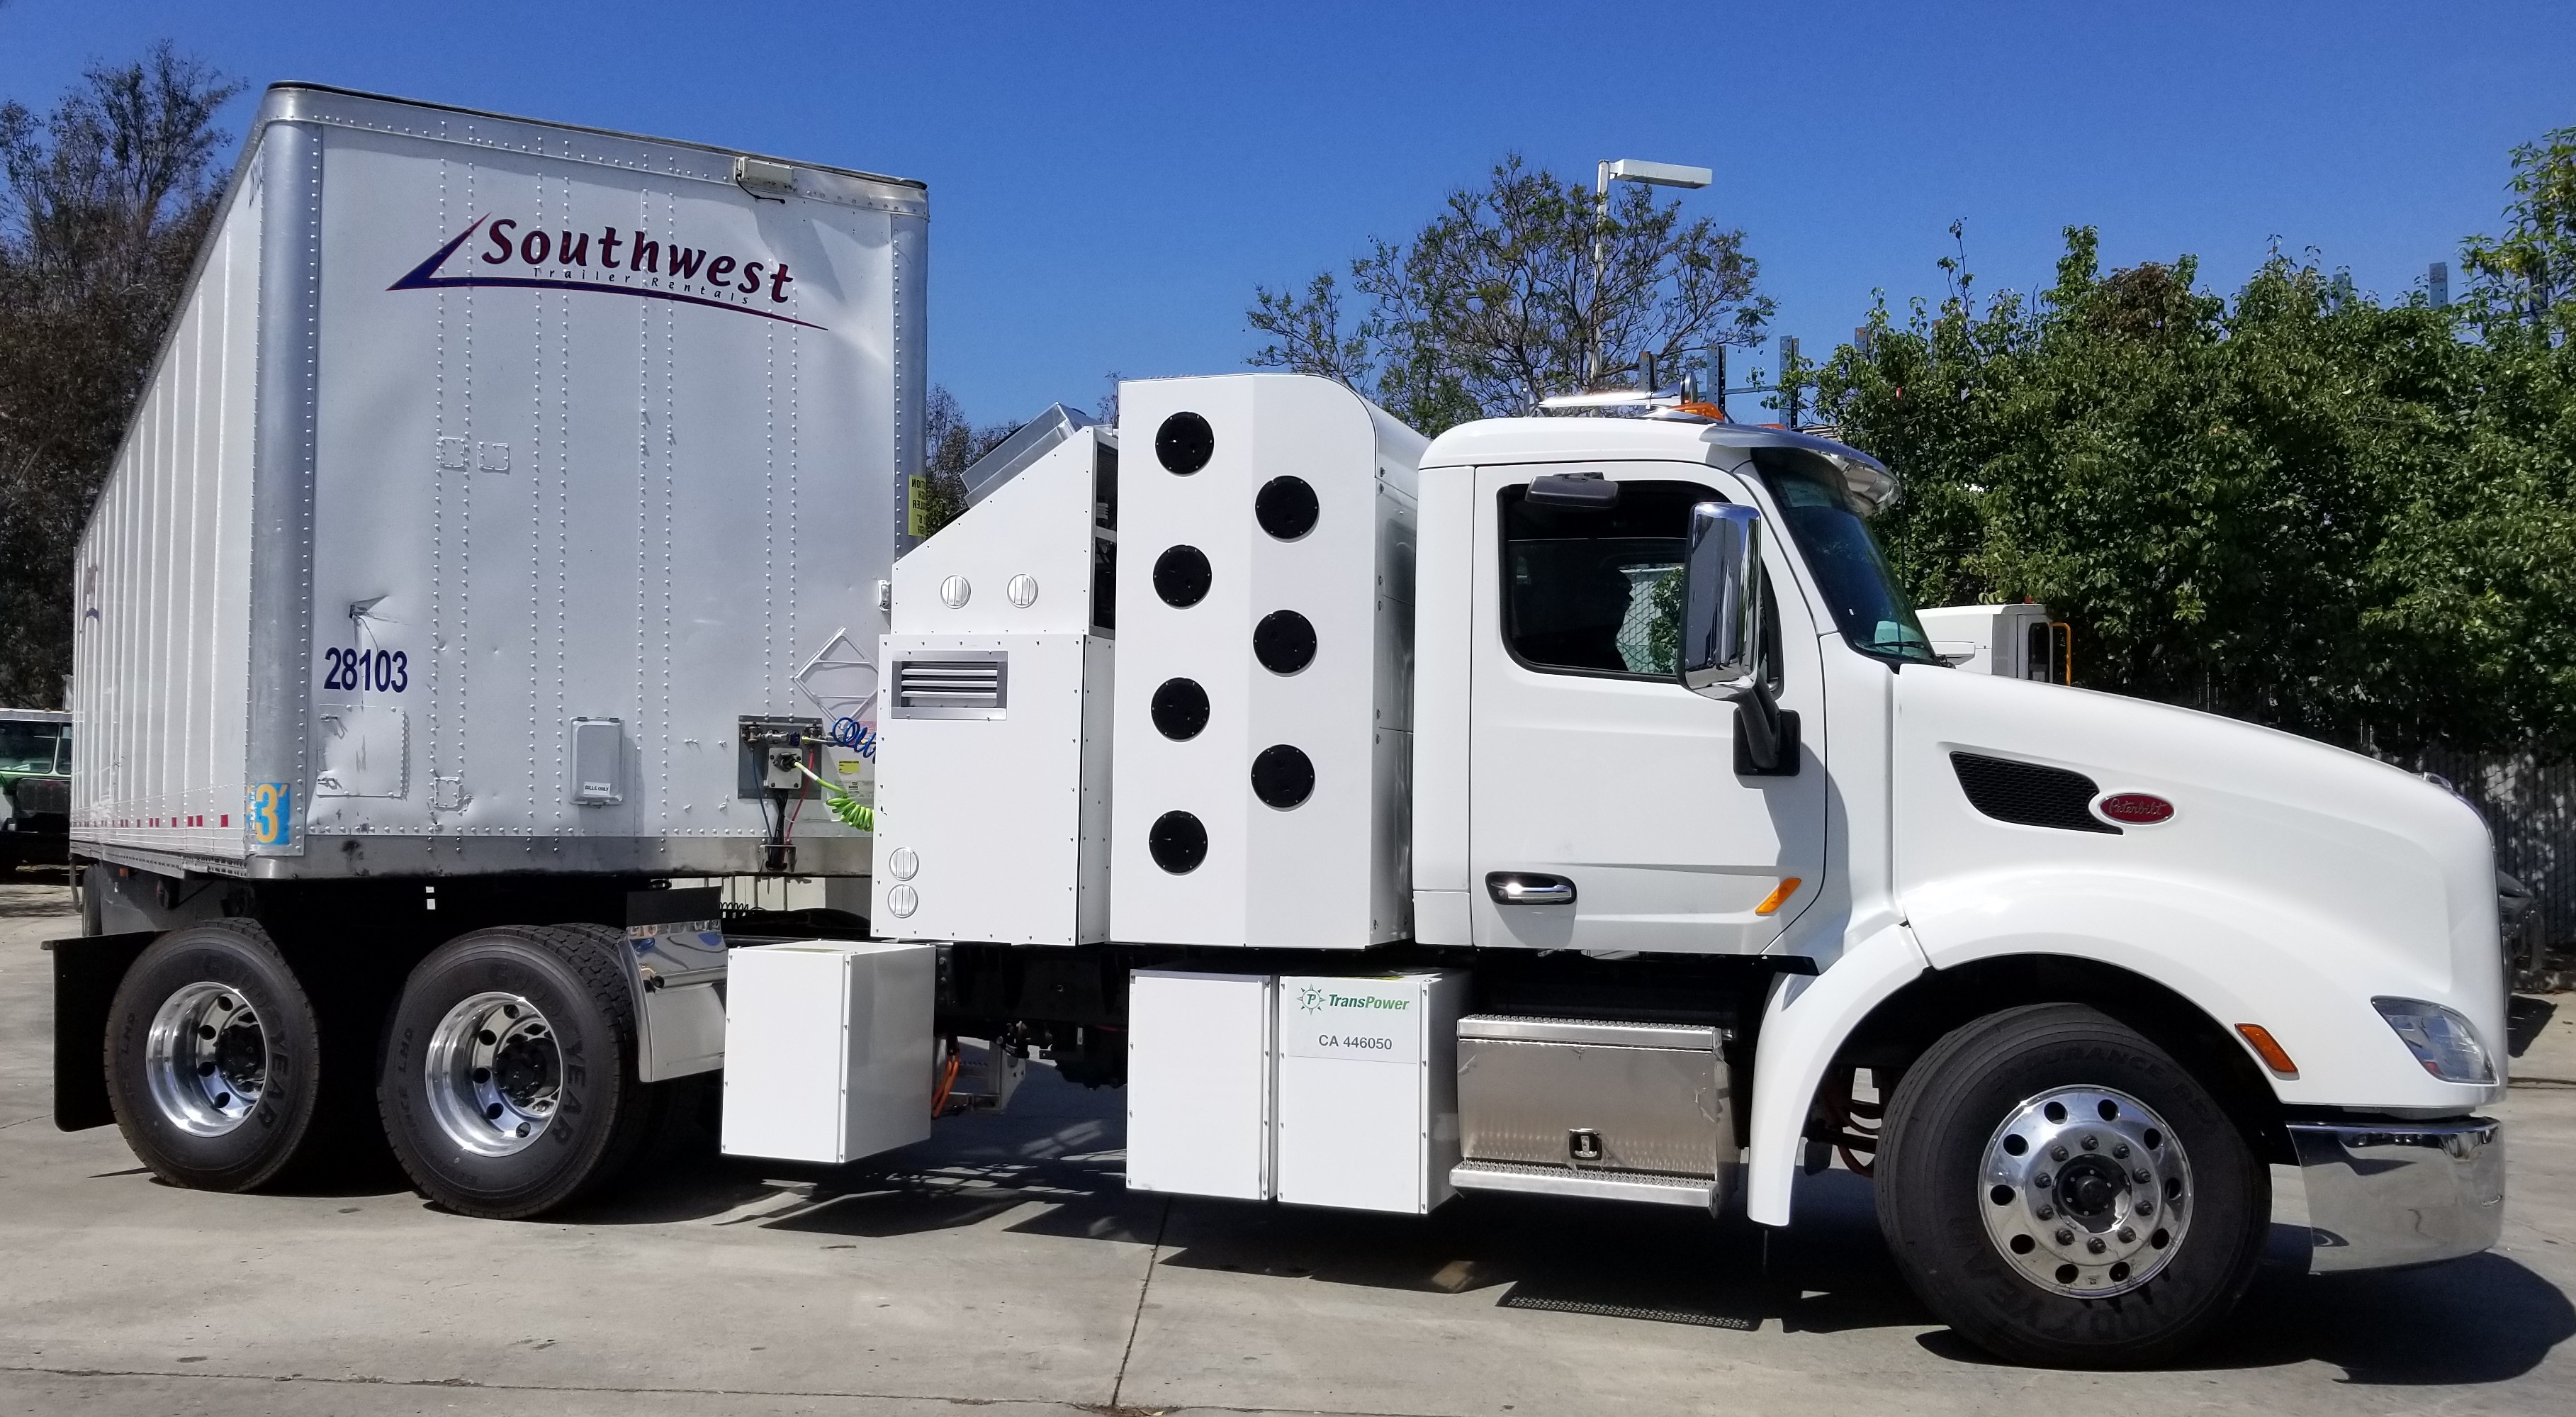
(1568, 805)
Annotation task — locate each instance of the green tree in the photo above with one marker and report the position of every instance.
(103, 204)
(2298, 506)
(952, 442)
(1493, 305)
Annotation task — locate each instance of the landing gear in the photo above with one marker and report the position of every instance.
(2059, 1190)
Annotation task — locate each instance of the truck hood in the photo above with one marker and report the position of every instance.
(2349, 877)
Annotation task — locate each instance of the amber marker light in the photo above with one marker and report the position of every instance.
(2269, 1049)
(1778, 897)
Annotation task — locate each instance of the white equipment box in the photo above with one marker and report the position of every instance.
(1311, 1090)
(828, 1049)
(2008, 641)
(994, 711)
(1368, 1090)
(1265, 604)
(1198, 1083)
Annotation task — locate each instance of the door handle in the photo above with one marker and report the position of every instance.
(1528, 888)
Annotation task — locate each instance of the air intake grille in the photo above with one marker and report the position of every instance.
(51, 796)
(2028, 794)
(960, 685)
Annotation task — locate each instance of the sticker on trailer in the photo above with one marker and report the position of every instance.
(269, 816)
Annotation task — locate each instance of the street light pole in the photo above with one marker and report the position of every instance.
(1652, 174)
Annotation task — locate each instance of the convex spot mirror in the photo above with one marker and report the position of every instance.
(1721, 622)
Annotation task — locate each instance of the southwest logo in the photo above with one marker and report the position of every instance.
(609, 261)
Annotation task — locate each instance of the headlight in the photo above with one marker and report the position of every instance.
(2439, 1038)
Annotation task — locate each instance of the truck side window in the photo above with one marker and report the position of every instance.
(1599, 592)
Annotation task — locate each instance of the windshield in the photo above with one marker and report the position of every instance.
(32, 747)
(1872, 613)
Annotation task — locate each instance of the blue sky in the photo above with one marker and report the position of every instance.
(1109, 182)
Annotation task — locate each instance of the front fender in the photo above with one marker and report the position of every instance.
(2241, 958)
(1803, 1026)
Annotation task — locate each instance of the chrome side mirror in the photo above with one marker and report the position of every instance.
(1721, 621)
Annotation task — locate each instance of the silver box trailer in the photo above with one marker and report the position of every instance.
(493, 473)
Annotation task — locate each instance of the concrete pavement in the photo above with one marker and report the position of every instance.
(1003, 1265)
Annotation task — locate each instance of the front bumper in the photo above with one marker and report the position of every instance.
(2385, 1194)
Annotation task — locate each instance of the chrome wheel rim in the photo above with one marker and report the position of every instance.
(206, 1058)
(495, 1074)
(2085, 1192)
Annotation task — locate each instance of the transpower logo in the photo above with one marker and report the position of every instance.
(610, 261)
(1314, 999)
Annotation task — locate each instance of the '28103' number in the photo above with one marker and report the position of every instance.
(385, 671)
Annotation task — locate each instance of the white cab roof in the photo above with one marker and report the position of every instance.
(1492, 441)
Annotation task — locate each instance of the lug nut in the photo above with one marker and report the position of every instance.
(2043, 1180)
(2057, 1153)
(2145, 1206)
(2092, 1143)
(2048, 1212)
(2142, 1175)
(2128, 1236)
(2121, 1151)
(2065, 1236)
(2095, 1245)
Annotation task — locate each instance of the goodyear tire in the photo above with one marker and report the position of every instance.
(2063, 1193)
(508, 1084)
(213, 1058)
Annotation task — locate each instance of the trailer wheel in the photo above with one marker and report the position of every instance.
(2062, 1192)
(508, 1085)
(212, 1058)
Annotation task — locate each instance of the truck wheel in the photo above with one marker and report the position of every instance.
(212, 1058)
(2060, 1191)
(508, 1085)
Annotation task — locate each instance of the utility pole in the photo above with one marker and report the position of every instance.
(1626, 169)
(1786, 382)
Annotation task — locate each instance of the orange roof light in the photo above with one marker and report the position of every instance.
(1778, 897)
(2269, 1049)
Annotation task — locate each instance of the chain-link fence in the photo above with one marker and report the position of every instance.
(2530, 807)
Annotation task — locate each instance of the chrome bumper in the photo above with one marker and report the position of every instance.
(2384, 1194)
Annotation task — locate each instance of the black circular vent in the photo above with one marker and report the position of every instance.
(1180, 709)
(1184, 443)
(1285, 507)
(1284, 642)
(1178, 842)
(1181, 577)
(1283, 776)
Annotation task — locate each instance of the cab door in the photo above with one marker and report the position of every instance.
(1591, 767)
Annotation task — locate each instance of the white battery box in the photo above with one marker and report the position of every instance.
(828, 1049)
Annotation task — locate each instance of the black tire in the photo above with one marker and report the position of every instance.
(1952, 1105)
(595, 1115)
(210, 1135)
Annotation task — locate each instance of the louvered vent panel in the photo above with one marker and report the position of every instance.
(50, 795)
(960, 686)
(2028, 794)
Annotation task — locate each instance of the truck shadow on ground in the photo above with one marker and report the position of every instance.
(1052, 1166)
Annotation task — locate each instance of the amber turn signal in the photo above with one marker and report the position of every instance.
(1778, 897)
(2269, 1049)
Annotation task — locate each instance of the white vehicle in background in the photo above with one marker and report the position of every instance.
(1568, 805)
